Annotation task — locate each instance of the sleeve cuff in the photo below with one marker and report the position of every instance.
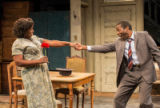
(89, 48)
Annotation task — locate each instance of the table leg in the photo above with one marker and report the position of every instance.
(92, 93)
(70, 86)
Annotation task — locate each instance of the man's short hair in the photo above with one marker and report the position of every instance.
(124, 24)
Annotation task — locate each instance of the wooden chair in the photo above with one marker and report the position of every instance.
(77, 64)
(156, 84)
(16, 91)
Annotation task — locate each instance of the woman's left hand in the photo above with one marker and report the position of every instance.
(44, 59)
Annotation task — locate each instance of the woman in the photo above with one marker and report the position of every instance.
(27, 53)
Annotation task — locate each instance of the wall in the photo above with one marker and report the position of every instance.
(11, 12)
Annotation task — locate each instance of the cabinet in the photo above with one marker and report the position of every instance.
(4, 78)
(11, 11)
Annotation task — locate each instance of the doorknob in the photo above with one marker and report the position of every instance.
(75, 37)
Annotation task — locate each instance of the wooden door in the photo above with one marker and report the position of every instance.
(110, 15)
(53, 26)
(58, 29)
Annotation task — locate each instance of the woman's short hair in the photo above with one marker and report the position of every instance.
(124, 24)
(21, 26)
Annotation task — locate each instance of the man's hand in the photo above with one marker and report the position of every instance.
(79, 46)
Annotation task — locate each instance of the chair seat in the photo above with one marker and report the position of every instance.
(20, 92)
(79, 88)
(58, 102)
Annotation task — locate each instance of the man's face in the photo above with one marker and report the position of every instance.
(123, 33)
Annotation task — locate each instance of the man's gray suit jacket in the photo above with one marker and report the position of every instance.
(146, 50)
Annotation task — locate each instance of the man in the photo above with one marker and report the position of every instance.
(134, 52)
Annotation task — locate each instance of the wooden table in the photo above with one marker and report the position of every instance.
(75, 79)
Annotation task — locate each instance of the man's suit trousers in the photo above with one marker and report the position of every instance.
(128, 84)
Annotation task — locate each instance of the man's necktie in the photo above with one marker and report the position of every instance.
(130, 59)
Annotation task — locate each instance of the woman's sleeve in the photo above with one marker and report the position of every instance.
(17, 48)
(41, 39)
(38, 38)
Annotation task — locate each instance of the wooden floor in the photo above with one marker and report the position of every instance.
(4, 98)
(4, 101)
(105, 101)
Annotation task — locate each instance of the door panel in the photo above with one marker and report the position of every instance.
(54, 26)
(110, 16)
(58, 29)
(40, 26)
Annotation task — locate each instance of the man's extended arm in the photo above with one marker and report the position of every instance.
(98, 48)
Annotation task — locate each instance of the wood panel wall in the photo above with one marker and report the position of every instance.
(11, 12)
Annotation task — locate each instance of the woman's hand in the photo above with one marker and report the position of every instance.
(44, 59)
(71, 44)
(25, 63)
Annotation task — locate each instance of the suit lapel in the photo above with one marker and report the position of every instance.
(136, 48)
(122, 47)
(120, 52)
(135, 40)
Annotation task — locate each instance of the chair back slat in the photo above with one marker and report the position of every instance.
(76, 63)
(11, 69)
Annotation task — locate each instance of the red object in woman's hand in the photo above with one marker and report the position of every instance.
(45, 45)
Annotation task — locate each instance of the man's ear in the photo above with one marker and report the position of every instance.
(127, 28)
